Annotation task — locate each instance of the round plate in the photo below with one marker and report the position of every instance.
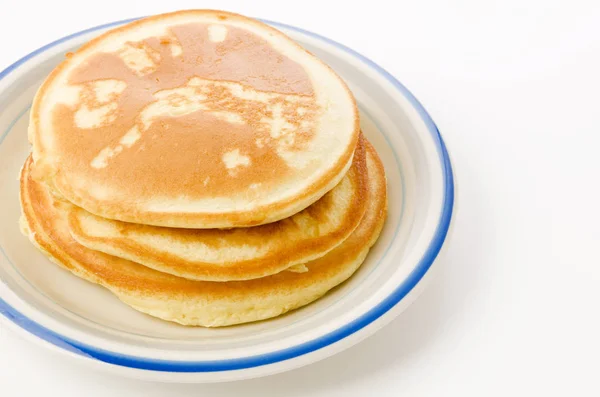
(88, 323)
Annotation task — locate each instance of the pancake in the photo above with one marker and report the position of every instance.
(240, 253)
(203, 303)
(194, 119)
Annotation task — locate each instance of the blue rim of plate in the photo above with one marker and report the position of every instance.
(383, 307)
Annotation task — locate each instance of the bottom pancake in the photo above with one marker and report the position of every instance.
(200, 303)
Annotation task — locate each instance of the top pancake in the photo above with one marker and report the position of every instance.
(195, 119)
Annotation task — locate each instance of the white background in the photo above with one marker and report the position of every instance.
(514, 87)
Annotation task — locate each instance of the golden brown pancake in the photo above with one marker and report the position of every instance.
(195, 119)
(240, 253)
(200, 302)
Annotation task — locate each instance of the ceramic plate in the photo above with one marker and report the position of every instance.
(88, 323)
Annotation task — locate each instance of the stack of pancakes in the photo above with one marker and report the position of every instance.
(204, 168)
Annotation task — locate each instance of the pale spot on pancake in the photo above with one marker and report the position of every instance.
(287, 141)
(230, 117)
(70, 95)
(172, 103)
(206, 181)
(126, 141)
(293, 98)
(292, 158)
(276, 121)
(301, 268)
(234, 159)
(176, 50)
(140, 58)
(174, 45)
(285, 151)
(180, 101)
(217, 33)
(101, 160)
(107, 90)
(186, 92)
(195, 81)
(260, 143)
(248, 94)
(131, 137)
(86, 117)
(301, 111)
(101, 192)
(97, 102)
(278, 124)
(255, 185)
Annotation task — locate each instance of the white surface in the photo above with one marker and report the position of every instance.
(513, 88)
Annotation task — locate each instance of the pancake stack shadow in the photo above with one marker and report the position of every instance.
(204, 168)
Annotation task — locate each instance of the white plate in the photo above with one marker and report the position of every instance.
(88, 323)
